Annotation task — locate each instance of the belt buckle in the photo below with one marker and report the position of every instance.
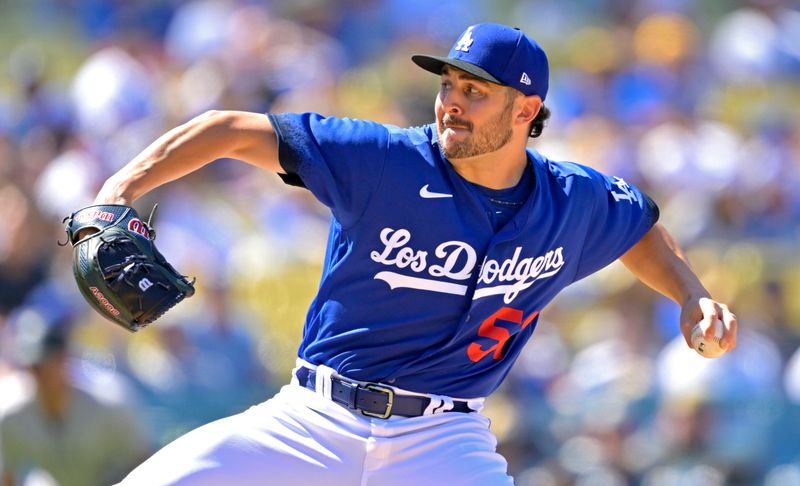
(382, 389)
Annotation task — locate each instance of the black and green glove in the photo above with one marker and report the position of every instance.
(118, 268)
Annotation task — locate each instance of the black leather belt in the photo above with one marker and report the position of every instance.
(374, 400)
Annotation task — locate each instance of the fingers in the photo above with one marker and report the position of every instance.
(85, 232)
(728, 340)
(713, 310)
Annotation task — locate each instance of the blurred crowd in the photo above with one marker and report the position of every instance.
(695, 102)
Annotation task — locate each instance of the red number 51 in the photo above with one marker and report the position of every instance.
(499, 334)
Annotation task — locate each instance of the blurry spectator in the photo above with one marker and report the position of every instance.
(61, 432)
(203, 365)
(111, 88)
(24, 259)
(714, 412)
(223, 336)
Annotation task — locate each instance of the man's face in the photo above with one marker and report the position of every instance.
(473, 116)
(51, 372)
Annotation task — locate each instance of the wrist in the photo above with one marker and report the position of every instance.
(693, 296)
(114, 192)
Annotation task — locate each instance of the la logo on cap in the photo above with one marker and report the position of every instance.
(466, 40)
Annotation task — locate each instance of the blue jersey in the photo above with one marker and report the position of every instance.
(418, 289)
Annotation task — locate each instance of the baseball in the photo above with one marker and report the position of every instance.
(708, 348)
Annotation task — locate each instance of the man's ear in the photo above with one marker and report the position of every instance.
(530, 108)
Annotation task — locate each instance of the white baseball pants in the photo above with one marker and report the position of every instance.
(299, 438)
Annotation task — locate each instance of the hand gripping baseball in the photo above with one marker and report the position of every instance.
(118, 269)
(709, 327)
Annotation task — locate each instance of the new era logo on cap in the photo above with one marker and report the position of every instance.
(496, 53)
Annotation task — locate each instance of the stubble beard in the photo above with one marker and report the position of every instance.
(492, 136)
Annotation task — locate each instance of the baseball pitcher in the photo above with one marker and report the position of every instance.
(446, 243)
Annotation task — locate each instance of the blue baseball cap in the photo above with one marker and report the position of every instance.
(39, 334)
(497, 53)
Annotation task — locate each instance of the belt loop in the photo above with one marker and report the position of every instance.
(300, 371)
(295, 372)
(476, 404)
(438, 404)
(323, 381)
(435, 403)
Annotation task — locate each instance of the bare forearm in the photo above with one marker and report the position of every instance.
(658, 261)
(187, 148)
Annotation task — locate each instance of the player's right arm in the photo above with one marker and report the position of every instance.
(241, 135)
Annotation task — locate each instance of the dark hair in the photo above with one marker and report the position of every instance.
(537, 125)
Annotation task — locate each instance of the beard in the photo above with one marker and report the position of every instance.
(487, 138)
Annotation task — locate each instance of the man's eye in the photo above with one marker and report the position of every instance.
(473, 91)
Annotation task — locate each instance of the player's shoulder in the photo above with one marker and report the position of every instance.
(562, 169)
(347, 127)
(20, 412)
(328, 128)
(414, 136)
(360, 126)
(567, 174)
(412, 145)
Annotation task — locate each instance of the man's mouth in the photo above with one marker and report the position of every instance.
(452, 124)
(456, 126)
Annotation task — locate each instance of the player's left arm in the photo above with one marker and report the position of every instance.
(658, 262)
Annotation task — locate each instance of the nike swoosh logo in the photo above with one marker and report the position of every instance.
(425, 193)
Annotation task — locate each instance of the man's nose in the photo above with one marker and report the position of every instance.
(451, 103)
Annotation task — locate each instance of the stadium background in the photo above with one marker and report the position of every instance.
(696, 102)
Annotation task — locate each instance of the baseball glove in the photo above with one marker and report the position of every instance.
(118, 268)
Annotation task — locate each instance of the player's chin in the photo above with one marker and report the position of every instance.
(450, 148)
(457, 150)
(451, 139)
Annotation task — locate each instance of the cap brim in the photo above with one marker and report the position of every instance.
(435, 64)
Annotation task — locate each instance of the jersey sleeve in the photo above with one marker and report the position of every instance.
(621, 215)
(340, 160)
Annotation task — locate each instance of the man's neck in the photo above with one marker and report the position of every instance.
(54, 403)
(500, 169)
